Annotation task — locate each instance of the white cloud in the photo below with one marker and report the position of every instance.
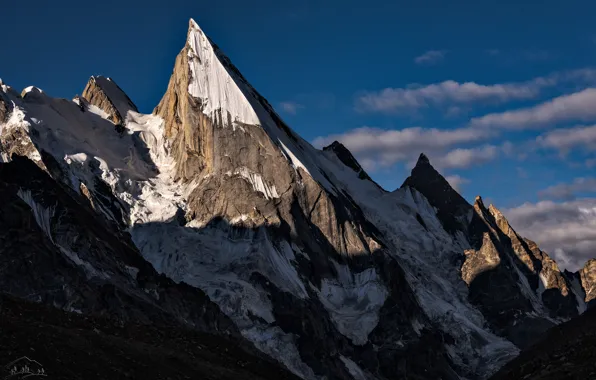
(579, 106)
(386, 147)
(567, 230)
(463, 158)
(450, 93)
(565, 139)
(430, 57)
(456, 181)
(290, 107)
(466, 157)
(569, 191)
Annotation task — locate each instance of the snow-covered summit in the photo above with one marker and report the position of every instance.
(211, 82)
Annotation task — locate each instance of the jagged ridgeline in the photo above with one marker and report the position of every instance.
(213, 214)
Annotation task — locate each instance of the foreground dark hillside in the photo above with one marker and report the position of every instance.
(567, 351)
(72, 346)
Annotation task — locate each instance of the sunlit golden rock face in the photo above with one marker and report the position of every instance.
(588, 279)
(105, 94)
(479, 261)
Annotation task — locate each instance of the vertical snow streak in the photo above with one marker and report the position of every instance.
(43, 216)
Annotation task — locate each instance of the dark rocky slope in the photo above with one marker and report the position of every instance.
(72, 346)
(567, 351)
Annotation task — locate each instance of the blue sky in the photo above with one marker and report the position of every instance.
(335, 67)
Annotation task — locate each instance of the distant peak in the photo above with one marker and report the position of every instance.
(104, 93)
(346, 157)
(32, 92)
(429, 182)
(335, 145)
(479, 202)
(495, 211)
(422, 159)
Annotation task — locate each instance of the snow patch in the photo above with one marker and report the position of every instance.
(257, 182)
(353, 301)
(277, 344)
(356, 372)
(43, 215)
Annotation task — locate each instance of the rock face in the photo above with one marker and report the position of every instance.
(108, 96)
(213, 213)
(564, 352)
(588, 279)
(5, 106)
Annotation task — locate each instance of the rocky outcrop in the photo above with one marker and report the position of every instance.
(588, 279)
(480, 261)
(539, 269)
(108, 96)
(517, 243)
(5, 106)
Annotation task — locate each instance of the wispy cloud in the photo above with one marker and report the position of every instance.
(565, 230)
(451, 93)
(578, 106)
(457, 181)
(290, 107)
(386, 147)
(566, 139)
(569, 191)
(430, 57)
(465, 157)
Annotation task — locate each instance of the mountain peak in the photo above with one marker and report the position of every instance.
(478, 200)
(192, 24)
(346, 157)
(428, 181)
(104, 93)
(423, 160)
(212, 83)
